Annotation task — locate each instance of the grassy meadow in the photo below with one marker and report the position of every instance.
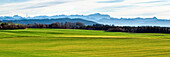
(82, 43)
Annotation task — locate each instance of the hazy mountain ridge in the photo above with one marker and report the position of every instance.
(99, 18)
(94, 17)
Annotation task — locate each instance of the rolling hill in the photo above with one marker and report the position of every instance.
(49, 21)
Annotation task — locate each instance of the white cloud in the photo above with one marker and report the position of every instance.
(123, 8)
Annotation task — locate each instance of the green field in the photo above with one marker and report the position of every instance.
(82, 43)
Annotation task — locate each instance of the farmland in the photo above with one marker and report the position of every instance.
(82, 43)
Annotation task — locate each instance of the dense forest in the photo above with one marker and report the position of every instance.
(79, 25)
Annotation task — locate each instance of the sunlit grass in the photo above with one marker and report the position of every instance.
(82, 43)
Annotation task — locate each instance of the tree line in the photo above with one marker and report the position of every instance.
(79, 25)
(109, 28)
(9, 25)
(65, 25)
(139, 29)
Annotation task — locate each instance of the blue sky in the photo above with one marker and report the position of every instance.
(115, 8)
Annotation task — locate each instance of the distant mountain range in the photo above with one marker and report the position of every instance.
(50, 21)
(89, 19)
